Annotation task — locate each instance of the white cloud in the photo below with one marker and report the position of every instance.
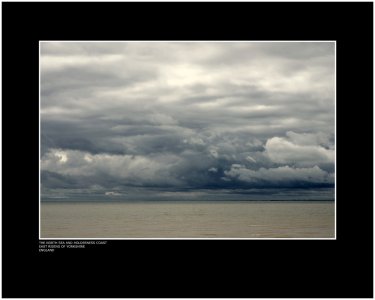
(213, 152)
(284, 174)
(130, 168)
(194, 141)
(250, 159)
(281, 150)
(56, 63)
(62, 157)
(112, 194)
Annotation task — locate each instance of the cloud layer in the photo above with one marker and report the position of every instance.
(196, 118)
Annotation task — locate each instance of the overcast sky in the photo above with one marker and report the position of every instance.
(208, 120)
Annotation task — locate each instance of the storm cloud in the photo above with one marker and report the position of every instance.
(224, 120)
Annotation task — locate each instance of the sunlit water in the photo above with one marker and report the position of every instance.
(187, 219)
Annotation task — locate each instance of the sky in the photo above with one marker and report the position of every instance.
(187, 120)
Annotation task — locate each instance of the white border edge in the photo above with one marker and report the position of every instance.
(185, 41)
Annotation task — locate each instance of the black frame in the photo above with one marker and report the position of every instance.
(179, 268)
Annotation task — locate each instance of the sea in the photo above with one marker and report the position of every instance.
(187, 219)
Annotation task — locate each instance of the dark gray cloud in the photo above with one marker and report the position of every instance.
(208, 118)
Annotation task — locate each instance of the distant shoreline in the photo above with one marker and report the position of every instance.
(182, 200)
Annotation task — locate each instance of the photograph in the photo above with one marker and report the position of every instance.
(187, 139)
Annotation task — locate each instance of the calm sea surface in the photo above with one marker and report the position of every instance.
(187, 219)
